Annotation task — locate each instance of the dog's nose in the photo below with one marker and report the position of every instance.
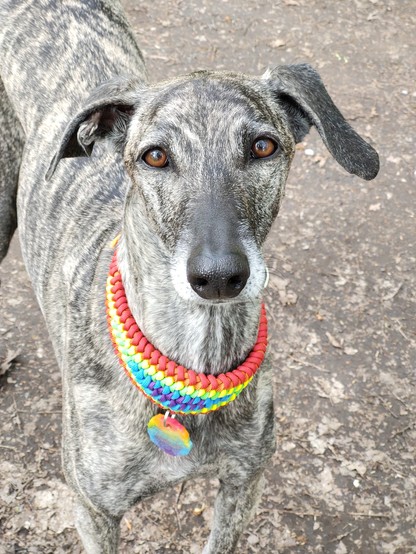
(215, 278)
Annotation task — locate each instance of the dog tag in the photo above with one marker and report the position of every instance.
(169, 435)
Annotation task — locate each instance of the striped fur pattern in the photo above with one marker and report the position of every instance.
(73, 83)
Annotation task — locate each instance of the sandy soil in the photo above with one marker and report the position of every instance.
(341, 299)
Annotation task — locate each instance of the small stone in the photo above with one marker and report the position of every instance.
(309, 152)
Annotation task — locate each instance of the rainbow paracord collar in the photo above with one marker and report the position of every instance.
(167, 384)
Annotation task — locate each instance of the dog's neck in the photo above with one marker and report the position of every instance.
(206, 338)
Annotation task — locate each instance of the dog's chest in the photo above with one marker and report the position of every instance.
(124, 475)
(122, 466)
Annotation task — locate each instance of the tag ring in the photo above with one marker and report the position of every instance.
(165, 417)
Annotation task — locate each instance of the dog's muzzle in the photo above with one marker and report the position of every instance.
(218, 277)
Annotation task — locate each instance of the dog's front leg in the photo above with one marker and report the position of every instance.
(234, 507)
(99, 532)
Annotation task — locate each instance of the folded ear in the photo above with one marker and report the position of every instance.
(106, 114)
(301, 93)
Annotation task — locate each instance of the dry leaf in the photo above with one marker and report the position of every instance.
(335, 342)
(11, 355)
(253, 539)
(287, 297)
(373, 16)
(341, 548)
(357, 466)
(350, 351)
(320, 160)
(301, 539)
(278, 43)
(318, 444)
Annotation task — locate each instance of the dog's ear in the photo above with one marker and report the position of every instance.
(106, 114)
(301, 93)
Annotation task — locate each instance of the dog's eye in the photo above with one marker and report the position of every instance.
(156, 157)
(263, 147)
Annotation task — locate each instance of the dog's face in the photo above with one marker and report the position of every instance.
(208, 156)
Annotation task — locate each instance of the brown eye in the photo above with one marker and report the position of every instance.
(263, 147)
(156, 157)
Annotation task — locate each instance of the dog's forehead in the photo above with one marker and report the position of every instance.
(208, 100)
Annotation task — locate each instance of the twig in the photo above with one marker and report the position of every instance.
(400, 329)
(301, 514)
(343, 535)
(361, 514)
(39, 412)
(394, 293)
(180, 491)
(305, 363)
(316, 514)
(400, 400)
(386, 407)
(401, 431)
(16, 409)
(178, 521)
(403, 103)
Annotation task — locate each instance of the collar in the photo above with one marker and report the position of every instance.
(163, 381)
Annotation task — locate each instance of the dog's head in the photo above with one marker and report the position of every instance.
(208, 156)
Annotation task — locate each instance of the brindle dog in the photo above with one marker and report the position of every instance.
(191, 172)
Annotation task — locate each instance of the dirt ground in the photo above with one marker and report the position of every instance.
(341, 301)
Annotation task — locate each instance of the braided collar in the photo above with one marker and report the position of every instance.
(167, 384)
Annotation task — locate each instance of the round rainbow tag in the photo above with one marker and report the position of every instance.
(169, 435)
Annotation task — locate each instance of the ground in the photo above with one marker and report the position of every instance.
(341, 302)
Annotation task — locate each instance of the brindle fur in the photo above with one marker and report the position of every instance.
(55, 57)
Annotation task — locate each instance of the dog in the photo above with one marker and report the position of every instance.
(190, 173)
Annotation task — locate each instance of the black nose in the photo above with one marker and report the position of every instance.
(219, 277)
